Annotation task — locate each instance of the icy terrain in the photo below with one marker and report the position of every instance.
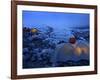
(40, 46)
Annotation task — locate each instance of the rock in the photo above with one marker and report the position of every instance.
(26, 56)
(34, 57)
(25, 50)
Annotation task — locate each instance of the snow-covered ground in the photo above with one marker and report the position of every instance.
(39, 48)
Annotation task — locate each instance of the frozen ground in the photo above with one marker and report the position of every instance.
(39, 46)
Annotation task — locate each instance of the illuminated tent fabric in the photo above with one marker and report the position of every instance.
(34, 30)
(67, 51)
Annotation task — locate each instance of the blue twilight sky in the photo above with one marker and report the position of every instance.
(54, 19)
